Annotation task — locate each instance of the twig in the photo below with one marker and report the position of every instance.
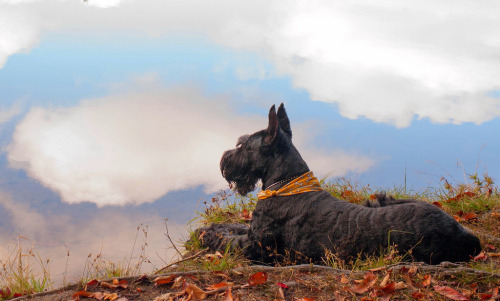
(181, 260)
(169, 238)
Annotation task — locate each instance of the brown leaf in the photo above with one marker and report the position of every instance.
(481, 256)
(389, 288)
(164, 280)
(228, 296)
(257, 278)
(400, 285)
(109, 285)
(218, 285)
(98, 295)
(195, 293)
(469, 216)
(438, 204)
(86, 294)
(368, 281)
(91, 283)
(110, 297)
(385, 280)
(305, 299)
(178, 282)
(418, 295)
(143, 278)
(281, 293)
(246, 215)
(427, 280)
(450, 293)
(344, 279)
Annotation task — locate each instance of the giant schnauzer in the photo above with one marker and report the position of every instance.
(295, 217)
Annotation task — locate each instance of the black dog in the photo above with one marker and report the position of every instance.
(304, 224)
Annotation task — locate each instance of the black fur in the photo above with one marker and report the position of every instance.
(305, 225)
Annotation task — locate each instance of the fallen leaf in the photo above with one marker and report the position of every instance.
(98, 295)
(164, 297)
(246, 215)
(228, 296)
(469, 216)
(178, 282)
(109, 285)
(218, 285)
(400, 285)
(344, 279)
(86, 294)
(281, 293)
(164, 280)
(427, 280)
(449, 292)
(481, 256)
(195, 293)
(91, 283)
(385, 280)
(389, 288)
(368, 281)
(110, 297)
(418, 295)
(257, 278)
(5, 293)
(305, 299)
(438, 204)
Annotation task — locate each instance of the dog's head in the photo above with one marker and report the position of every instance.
(255, 155)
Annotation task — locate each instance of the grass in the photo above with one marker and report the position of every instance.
(23, 271)
(475, 204)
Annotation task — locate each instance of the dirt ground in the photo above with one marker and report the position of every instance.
(303, 282)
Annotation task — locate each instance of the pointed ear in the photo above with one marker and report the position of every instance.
(272, 128)
(284, 122)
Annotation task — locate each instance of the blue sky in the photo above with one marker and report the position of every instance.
(116, 112)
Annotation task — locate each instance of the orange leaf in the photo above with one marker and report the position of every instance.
(91, 283)
(450, 293)
(110, 297)
(164, 280)
(438, 204)
(389, 288)
(257, 278)
(228, 296)
(218, 285)
(481, 256)
(469, 216)
(109, 285)
(368, 281)
(427, 280)
(82, 293)
(418, 295)
(305, 299)
(195, 293)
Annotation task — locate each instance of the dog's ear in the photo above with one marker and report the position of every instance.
(284, 122)
(272, 128)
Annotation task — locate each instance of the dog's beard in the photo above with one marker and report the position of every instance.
(238, 172)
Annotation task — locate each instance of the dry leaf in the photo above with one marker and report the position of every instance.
(164, 280)
(257, 278)
(195, 293)
(110, 297)
(427, 280)
(178, 282)
(368, 281)
(385, 280)
(228, 296)
(164, 297)
(450, 293)
(218, 285)
(344, 279)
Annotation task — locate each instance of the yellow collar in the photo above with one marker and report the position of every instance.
(305, 183)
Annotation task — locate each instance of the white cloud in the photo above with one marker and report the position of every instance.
(6, 114)
(110, 233)
(137, 146)
(391, 61)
